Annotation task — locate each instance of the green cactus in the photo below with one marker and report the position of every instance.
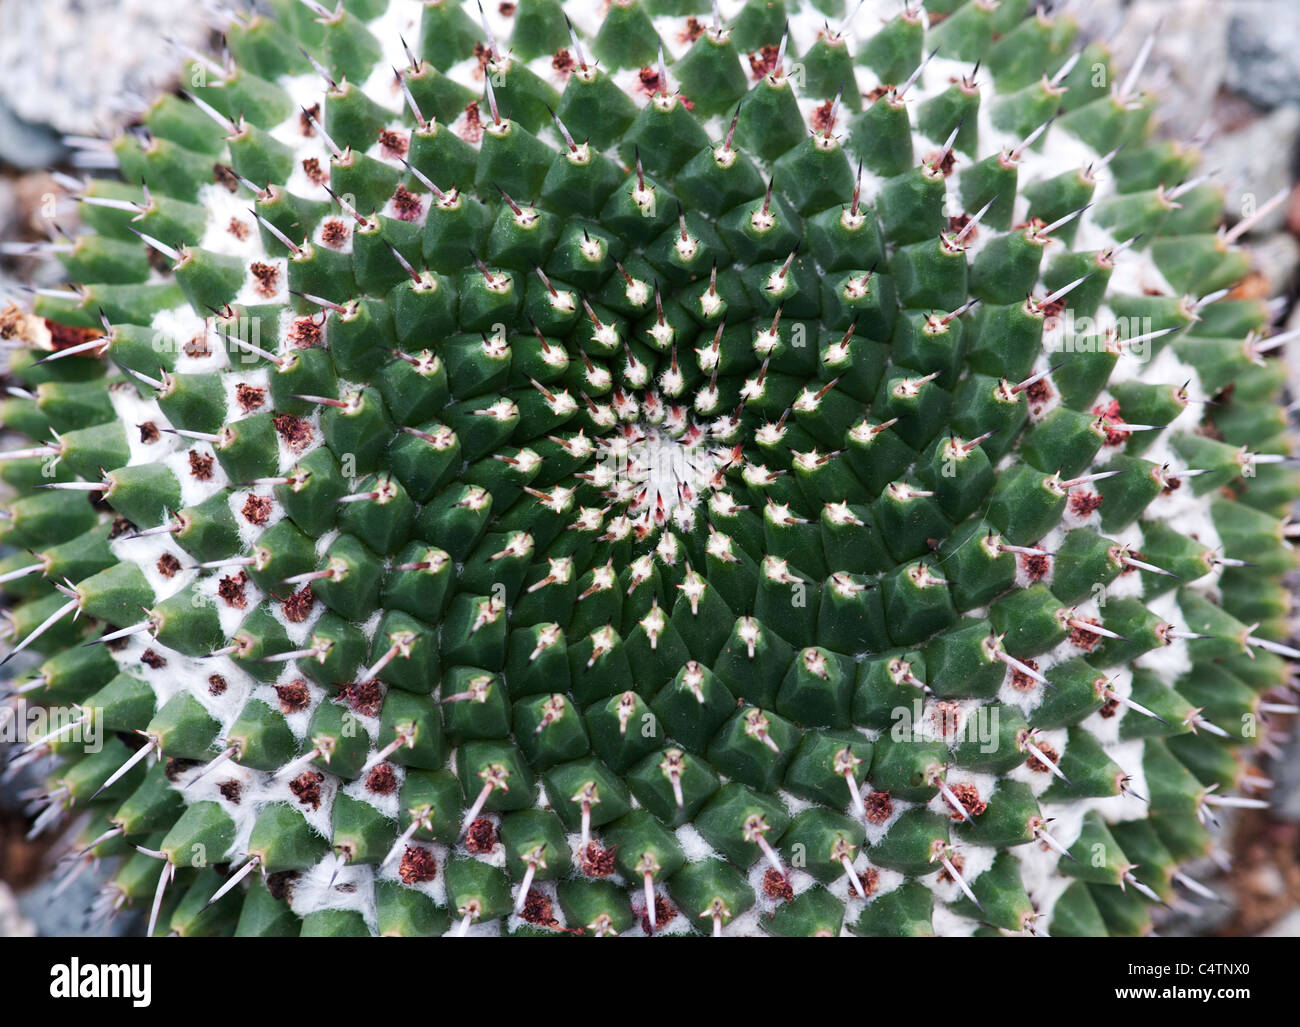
(742, 480)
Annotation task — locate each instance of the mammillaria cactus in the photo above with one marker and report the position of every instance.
(657, 470)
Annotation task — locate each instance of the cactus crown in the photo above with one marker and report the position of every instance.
(658, 474)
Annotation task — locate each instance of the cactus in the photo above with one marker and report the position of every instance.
(668, 474)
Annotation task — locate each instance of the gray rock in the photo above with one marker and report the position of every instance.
(66, 916)
(25, 145)
(87, 67)
(1254, 162)
(1264, 51)
(12, 922)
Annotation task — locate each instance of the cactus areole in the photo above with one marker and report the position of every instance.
(779, 470)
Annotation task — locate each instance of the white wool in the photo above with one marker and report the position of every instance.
(224, 209)
(252, 292)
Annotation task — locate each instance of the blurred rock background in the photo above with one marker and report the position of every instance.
(1229, 72)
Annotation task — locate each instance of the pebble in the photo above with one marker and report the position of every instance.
(12, 922)
(81, 67)
(1263, 59)
(1254, 162)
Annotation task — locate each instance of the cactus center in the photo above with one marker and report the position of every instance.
(659, 471)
